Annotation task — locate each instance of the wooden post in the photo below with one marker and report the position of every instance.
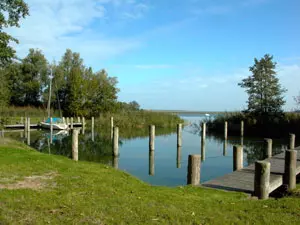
(68, 122)
(292, 141)
(75, 144)
(93, 123)
(25, 127)
(28, 138)
(28, 124)
(111, 127)
(203, 140)
(179, 135)
(194, 166)
(242, 128)
(72, 123)
(2, 133)
(151, 137)
(116, 162)
(83, 125)
(64, 120)
(262, 179)
(290, 163)
(242, 141)
(225, 130)
(22, 120)
(151, 163)
(78, 119)
(51, 130)
(178, 158)
(268, 147)
(116, 141)
(237, 157)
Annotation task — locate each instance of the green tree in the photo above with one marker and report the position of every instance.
(4, 90)
(11, 11)
(265, 94)
(297, 100)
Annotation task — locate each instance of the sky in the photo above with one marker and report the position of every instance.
(171, 54)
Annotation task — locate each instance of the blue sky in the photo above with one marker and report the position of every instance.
(171, 54)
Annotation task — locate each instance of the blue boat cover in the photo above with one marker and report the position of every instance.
(54, 120)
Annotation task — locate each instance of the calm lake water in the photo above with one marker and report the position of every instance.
(167, 166)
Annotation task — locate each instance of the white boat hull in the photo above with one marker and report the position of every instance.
(59, 126)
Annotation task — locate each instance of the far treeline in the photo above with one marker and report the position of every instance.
(76, 89)
(264, 115)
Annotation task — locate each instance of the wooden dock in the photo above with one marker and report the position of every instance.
(243, 180)
(22, 126)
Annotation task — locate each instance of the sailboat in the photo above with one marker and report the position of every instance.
(57, 123)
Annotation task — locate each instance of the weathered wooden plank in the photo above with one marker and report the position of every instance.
(243, 180)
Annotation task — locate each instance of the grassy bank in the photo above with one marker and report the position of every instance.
(255, 126)
(37, 188)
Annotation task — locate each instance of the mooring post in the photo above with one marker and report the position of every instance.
(268, 147)
(178, 157)
(194, 165)
(68, 121)
(2, 133)
(64, 120)
(75, 133)
(151, 163)
(242, 128)
(72, 123)
(111, 127)
(242, 141)
(93, 122)
(292, 141)
(116, 141)
(151, 137)
(22, 120)
(83, 125)
(237, 157)
(28, 124)
(290, 164)
(78, 119)
(203, 140)
(28, 138)
(262, 179)
(225, 130)
(116, 162)
(179, 135)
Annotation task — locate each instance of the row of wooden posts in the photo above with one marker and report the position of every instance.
(262, 168)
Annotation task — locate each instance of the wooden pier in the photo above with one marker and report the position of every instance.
(243, 180)
(22, 126)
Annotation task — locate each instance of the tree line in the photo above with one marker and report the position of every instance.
(76, 89)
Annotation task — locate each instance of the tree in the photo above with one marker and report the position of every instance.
(11, 11)
(4, 90)
(263, 88)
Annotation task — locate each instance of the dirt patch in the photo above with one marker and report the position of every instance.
(32, 182)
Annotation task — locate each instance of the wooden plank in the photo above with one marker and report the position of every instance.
(243, 180)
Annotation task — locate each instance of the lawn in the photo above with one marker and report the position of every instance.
(38, 188)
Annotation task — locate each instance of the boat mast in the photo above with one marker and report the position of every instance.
(50, 90)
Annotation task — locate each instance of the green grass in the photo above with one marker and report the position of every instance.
(90, 193)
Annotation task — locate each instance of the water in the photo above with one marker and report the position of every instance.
(166, 166)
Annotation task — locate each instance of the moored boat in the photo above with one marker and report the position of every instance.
(57, 124)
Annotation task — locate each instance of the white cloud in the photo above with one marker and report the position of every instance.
(54, 25)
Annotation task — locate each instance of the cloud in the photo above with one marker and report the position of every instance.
(54, 25)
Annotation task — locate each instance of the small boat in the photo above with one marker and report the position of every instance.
(207, 114)
(57, 123)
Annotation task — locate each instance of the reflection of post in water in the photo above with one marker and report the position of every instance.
(48, 142)
(203, 140)
(242, 141)
(51, 130)
(225, 147)
(28, 138)
(116, 162)
(178, 158)
(151, 163)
